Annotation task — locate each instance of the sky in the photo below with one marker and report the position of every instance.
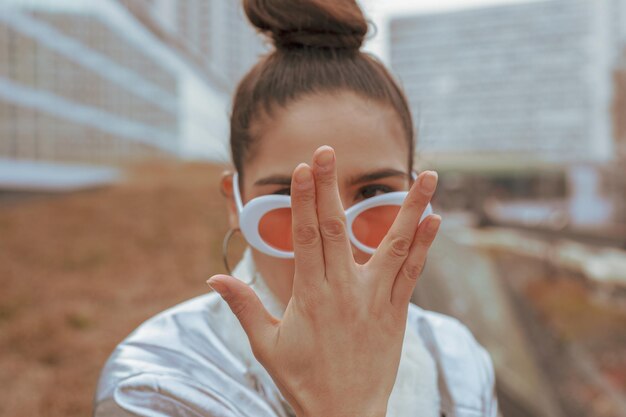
(381, 10)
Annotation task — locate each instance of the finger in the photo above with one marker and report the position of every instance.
(410, 271)
(257, 322)
(330, 214)
(396, 245)
(307, 242)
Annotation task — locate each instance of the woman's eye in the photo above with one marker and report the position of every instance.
(373, 190)
(283, 191)
(365, 192)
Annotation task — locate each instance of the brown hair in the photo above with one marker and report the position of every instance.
(317, 49)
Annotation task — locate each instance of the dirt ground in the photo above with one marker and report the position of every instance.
(78, 272)
(578, 333)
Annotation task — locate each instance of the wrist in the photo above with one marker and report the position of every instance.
(365, 414)
(343, 412)
(344, 415)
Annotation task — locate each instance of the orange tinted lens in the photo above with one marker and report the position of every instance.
(275, 229)
(371, 226)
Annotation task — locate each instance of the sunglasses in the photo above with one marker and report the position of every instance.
(265, 221)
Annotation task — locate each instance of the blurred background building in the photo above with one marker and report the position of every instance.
(215, 33)
(109, 82)
(514, 103)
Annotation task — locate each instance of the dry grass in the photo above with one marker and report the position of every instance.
(567, 307)
(79, 272)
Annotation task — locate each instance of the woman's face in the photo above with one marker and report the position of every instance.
(371, 152)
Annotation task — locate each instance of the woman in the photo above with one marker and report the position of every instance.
(315, 319)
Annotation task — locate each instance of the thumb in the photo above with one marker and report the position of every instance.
(256, 321)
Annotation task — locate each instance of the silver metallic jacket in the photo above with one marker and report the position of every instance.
(195, 360)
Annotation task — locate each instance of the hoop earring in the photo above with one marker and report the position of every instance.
(225, 243)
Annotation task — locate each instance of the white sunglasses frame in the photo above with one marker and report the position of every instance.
(250, 215)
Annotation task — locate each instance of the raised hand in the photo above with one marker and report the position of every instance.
(336, 350)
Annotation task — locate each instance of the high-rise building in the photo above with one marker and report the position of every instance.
(619, 108)
(532, 79)
(526, 92)
(215, 31)
(116, 80)
(620, 14)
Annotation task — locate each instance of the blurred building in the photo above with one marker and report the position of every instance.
(618, 183)
(619, 107)
(522, 90)
(113, 81)
(527, 78)
(216, 33)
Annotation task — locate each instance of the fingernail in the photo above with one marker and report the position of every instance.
(325, 157)
(302, 175)
(218, 286)
(434, 223)
(428, 182)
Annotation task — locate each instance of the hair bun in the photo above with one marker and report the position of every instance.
(292, 24)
